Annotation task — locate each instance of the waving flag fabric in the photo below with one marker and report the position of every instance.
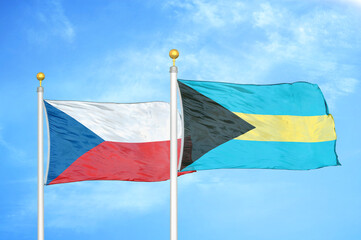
(108, 141)
(282, 126)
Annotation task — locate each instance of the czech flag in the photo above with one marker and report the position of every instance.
(109, 141)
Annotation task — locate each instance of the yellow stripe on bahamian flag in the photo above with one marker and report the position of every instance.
(286, 128)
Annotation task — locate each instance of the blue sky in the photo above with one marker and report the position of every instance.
(118, 51)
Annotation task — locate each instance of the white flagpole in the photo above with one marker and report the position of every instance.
(40, 76)
(173, 148)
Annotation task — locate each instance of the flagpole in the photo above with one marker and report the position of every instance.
(173, 148)
(40, 76)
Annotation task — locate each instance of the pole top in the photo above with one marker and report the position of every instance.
(40, 76)
(173, 54)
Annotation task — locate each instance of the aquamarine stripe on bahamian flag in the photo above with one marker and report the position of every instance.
(268, 155)
(69, 140)
(299, 99)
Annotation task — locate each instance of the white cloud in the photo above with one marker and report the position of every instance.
(132, 75)
(13, 151)
(306, 41)
(85, 204)
(348, 85)
(52, 22)
(313, 44)
(210, 13)
(333, 89)
(353, 2)
(267, 16)
(82, 206)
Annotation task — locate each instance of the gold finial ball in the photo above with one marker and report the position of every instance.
(40, 76)
(173, 53)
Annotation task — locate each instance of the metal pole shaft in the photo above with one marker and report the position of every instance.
(173, 155)
(40, 91)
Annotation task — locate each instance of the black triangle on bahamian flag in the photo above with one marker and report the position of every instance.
(207, 124)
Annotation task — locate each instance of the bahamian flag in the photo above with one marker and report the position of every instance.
(280, 126)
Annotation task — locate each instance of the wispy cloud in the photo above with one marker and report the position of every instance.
(85, 205)
(249, 43)
(209, 13)
(337, 88)
(52, 21)
(133, 75)
(81, 205)
(267, 16)
(279, 35)
(356, 3)
(13, 151)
